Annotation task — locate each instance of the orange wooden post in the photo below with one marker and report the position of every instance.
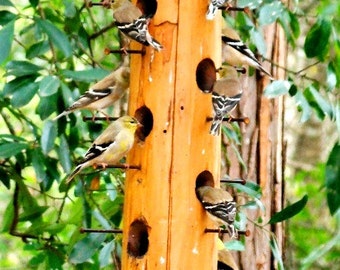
(163, 220)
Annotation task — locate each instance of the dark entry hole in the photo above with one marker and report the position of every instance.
(145, 117)
(205, 178)
(148, 7)
(206, 75)
(138, 241)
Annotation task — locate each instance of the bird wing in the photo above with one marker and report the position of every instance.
(224, 104)
(89, 97)
(225, 210)
(96, 150)
(136, 30)
(240, 47)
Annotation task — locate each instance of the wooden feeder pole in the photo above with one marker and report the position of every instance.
(161, 195)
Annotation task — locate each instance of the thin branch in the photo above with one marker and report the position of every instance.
(102, 31)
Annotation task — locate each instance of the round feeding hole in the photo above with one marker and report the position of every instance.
(148, 7)
(206, 75)
(205, 178)
(145, 117)
(138, 240)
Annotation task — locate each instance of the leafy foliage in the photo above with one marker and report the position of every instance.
(46, 51)
(49, 53)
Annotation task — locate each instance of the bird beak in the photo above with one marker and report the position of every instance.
(139, 125)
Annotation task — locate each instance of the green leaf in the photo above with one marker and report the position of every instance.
(7, 218)
(270, 12)
(25, 95)
(37, 260)
(6, 37)
(21, 68)
(6, 17)
(32, 213)
(70, 10)
(38, 162)
(317, 39)
(324, 105)
(234, 245)
(250, 188)
(6, 3)
(276, 252)
(289, 211)
(251, 4)
(54, 260)
(18, 84)
(58, 38)
(49, 85)
(5, 179)
(65, 154)
(49, 133)
(303, 106)
(332, 175)
(89, 75)
(86, 248)
(294, 25)
(11, 149)
(277, 88)
(105, 254)
(259, 41)
(34, 3)
(293, 90)
(37, 49)
(319, 252)
(331, 77)
(47, 106)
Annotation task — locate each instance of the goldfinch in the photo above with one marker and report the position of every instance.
(113, 144)
(236, 53)
(214, 5)
(220, 206)
(104, 93)
(131, 22)
(226, 94)
(225, 260)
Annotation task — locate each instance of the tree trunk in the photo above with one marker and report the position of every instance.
(263, 152)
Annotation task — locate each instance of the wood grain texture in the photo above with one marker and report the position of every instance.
(179, 146)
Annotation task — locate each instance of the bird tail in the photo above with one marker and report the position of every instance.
(232, 231)
(266, 72)
(154, 43)
(211, 13)
(61, 115)
(216, 125)
(75, 172)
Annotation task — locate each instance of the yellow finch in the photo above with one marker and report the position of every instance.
(113, 144)
(103, 93)
(133, 23)
(236, 53)
(220, 206)
(225, 260)
(226, 94)
(213, 7)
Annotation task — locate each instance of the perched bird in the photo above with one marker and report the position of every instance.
(133, 23)
(214, 5)
(110, 146)
(103, 93)
(236, 53)
(220, 206)
(225, 260)
(226, 94)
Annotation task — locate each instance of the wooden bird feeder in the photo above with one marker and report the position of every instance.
(163, 221)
